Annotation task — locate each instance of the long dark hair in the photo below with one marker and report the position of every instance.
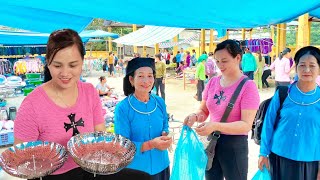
(58, 40)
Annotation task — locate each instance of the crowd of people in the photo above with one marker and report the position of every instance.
(288, 149)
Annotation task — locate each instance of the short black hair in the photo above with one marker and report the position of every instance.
(308, 50)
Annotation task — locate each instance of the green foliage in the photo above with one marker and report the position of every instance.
(97, 24)
(315, 33)
(291, 35)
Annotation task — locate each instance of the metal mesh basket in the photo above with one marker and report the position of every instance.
(101, 152)
(31, 160)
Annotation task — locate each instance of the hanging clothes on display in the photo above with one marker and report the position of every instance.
(263, 45)
(22, 50)
(5, 66)
(23, 66)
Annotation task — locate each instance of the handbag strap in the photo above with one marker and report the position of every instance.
(230, 105)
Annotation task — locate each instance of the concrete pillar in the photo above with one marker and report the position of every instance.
(144, 51)
(134, 28)
(250, 35)
(156, 48)
(273, 52)
(211, 41)
(303, 31)
(281, 38)
(243, 34)
(109, 40)
(203, 40)
(175, 48)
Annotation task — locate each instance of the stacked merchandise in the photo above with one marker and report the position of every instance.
(90, 64)
(6, 124)
(22, 50)
(10, 86)
(109, 105)
(32, 81)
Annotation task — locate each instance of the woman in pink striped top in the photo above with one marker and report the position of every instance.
(231, 152)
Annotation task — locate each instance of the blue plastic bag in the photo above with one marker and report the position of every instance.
(262, 175)
(190, 159)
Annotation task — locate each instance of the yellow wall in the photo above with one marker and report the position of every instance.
(97, 54)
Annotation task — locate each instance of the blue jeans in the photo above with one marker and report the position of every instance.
(250, 74)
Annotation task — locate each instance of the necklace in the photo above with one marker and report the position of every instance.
(314, 91)
(60, 98)
(140, 101)
(302, 103)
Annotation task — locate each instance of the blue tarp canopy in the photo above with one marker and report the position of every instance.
(32, 38)
(55, 14)
(40, 20)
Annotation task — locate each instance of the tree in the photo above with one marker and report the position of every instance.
(315, 33)
(97, 24)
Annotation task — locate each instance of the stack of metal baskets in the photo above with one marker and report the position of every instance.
(101, 152)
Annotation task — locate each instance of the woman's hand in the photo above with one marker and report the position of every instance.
(206, 128)
(264, 161)
(161, 143)
(190, 119)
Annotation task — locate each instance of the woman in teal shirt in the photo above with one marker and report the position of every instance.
(143, 119)
(292, 147)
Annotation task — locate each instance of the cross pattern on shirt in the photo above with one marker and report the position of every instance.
(220, 97)
(73, 124)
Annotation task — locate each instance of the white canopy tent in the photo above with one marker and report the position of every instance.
(149, 35)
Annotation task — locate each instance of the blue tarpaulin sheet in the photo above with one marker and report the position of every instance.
(41, 16)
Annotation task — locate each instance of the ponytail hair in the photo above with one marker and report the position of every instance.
(284, 52)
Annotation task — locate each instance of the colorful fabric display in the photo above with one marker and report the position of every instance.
(263, 45)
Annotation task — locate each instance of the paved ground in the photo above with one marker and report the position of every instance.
(179, 103)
